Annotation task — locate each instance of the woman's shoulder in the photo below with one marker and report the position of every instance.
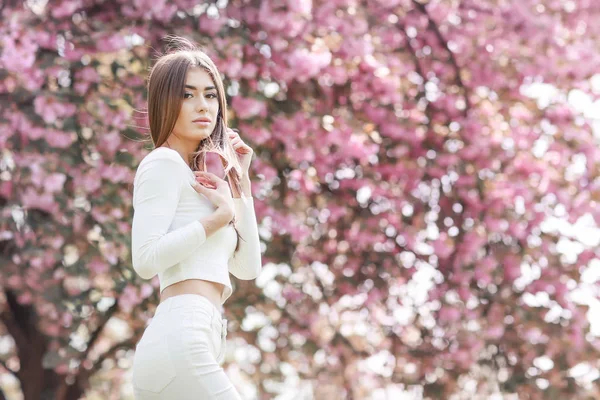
(161, 156)
(161, 163)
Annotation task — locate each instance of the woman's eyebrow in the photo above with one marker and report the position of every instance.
(195, 88)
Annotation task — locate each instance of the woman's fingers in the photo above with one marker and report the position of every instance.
(212, 178)
(198, 187)
(204, 178)
(205, 174)
(205, 182)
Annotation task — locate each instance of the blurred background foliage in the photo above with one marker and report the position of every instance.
(426, 184)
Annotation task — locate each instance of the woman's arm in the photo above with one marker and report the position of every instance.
(156, 196)
(246, 262)
(246, 188)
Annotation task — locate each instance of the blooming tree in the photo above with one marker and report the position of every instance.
(406, 183)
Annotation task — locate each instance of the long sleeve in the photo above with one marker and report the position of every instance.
(246, 262)
(155, 199)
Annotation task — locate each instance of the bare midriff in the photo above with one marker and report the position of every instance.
(211, 290)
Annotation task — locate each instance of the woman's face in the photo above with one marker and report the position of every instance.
(200, 102)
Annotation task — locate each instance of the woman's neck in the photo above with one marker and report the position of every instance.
(185, 151)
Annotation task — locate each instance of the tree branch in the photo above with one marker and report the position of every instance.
(10, 370)
(451, 57)
(11, 319)
(127, 344)
(96, 334)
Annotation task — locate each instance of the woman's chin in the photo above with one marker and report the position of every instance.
(205, 129)
(201, 133)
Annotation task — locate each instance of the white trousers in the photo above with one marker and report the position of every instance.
(180, 354)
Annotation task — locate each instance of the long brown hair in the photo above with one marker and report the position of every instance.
(166, 85)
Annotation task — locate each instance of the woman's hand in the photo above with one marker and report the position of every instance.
(216, 190)
(243, 151)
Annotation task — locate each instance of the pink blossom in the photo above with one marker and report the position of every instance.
(66, 8)
(37, 174)
(268, 172)
(19, 56)
(231, 66)
(110, 251)
(535, 335)
(448, 314)
(117, 213)
(308, 64)
(292, 294)
(443, 247)
(110, 42)
(129, 298)
(54, 182)
(164, 13)
(300, 6)
(89, 181)
(124, 227)
(249, 71)
(246, 107)
(271, 21)
(72, 285)
(73, 53)
(78, 221)
(14, 281)
(210, 25)
(116, 173)
(101, 217)
(44, 39)
(67, 319)
(51, 329)
(31, 199)
(356, 47)
(464, 292)
(110, 142)
(62, 369)
(258, 135)
(494, 332)
(84, 78)
(25, 298)
(462, 358)
(57, 242)
(98, 266)
(512, 268)
(439, 129)
(51, 110)
(60, 139)
(146, 290)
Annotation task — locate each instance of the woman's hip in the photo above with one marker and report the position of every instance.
(183, 345)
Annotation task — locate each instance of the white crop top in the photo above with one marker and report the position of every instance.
(167, 237)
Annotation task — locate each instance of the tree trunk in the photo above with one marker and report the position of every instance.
(37, 382)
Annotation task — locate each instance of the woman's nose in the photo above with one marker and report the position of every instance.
(201, 104)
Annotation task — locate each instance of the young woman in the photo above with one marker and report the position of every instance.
(190, 229)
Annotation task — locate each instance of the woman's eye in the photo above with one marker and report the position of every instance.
(186, 94)
(211, 96)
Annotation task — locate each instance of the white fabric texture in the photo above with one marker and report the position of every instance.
(167, 237)
(179, 356)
